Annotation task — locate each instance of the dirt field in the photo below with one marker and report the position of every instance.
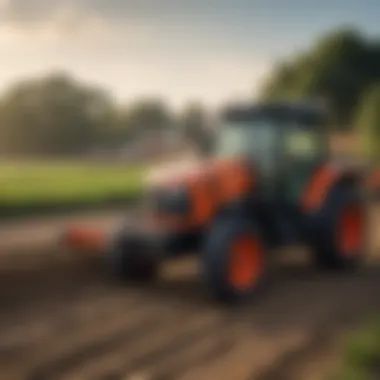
(62, 317)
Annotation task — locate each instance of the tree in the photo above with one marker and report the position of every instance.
(53, 115)
(146, 116)
(120, 131)
(194, 126)
(368, 123)
(338, 67)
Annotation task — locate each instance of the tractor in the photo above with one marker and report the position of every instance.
(269, 182)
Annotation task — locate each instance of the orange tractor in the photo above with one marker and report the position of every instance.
(269, 183)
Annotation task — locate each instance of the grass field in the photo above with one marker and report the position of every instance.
(27, 186)
(362, 354)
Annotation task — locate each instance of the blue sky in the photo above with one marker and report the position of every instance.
(211, 50)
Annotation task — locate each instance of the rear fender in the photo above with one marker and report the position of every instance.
(324, 179)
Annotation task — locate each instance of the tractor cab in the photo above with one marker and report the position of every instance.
(283, 141)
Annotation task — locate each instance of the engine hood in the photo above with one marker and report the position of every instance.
(210, 185)
(223, 179)
(176, 173)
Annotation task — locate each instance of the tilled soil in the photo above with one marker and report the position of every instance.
(63, 317)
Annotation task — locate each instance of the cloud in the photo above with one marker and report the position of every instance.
(136, 47)
(49, 20)
(38, 11)
(22, 11)
(77, 22)
(144, 27)
(150, 12)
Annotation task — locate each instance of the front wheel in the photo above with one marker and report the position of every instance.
(130, 258)
(234, 260)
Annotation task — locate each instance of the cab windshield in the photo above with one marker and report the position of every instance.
(302, 144)
(255, 139)
(261, 140)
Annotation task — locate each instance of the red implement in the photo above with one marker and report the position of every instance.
(85, 239)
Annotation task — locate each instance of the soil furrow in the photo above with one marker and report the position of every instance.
(78, 346)
(206, 351)
(252, 352)
(145, 346)
(61, 318)
(79, 313)
(170, 347)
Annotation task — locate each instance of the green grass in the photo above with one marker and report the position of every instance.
(26, 186)
(362, 354)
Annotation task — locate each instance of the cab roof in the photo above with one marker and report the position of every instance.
(302, 113)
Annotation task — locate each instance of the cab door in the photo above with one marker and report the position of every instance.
(267, 155)
(303, 152)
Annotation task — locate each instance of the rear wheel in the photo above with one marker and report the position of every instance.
(130, 259)
(340, 241)
(234, 261)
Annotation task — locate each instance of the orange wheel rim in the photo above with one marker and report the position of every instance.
(351, 231)
(246, 262)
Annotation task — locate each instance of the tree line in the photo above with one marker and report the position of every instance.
(341, 68)
(58, 115)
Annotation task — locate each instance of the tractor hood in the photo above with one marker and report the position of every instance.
(200, 187)
(175, 173)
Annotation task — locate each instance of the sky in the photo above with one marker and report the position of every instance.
(183, 50)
